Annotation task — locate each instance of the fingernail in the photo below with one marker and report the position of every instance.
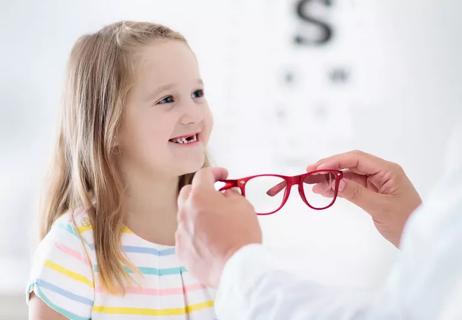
(341, 186)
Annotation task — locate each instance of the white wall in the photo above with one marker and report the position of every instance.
(400, 98)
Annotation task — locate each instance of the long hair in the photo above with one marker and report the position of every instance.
(84, 174)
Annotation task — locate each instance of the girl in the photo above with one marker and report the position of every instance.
(133, 131)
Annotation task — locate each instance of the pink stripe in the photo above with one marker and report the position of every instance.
(160, 292)
(72, 253)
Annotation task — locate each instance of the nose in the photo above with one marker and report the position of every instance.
(191, 114)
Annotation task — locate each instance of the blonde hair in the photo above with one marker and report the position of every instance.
(84, 174)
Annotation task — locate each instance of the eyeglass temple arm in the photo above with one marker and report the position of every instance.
(310, 179)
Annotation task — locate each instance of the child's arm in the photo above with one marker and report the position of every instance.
(38, 310)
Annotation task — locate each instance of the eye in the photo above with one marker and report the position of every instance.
(167, 99)
(198, 93)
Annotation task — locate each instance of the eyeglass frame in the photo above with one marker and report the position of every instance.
(289, 182)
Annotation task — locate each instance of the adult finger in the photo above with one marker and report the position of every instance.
(206, 177)
(183, 195)
(180, 243)
(232, 192)
(358, 178)
(357, 161)
(364, 198)
(348, 175)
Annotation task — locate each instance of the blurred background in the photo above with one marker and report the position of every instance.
(289, 82)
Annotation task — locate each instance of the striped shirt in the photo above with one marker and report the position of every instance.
(64, 275)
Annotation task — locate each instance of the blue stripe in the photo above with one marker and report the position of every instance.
(162, 272)
(64, 293)
(57, 308)
(72, 231)
(153, 251)
(68, 228)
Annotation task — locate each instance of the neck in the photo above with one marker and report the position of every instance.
(151, 207)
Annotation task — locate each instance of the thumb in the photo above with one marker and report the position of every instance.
(206, 177)
(364, 198)
(183, 195)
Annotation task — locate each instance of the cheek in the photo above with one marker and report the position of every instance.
(158, 126)
(208, 120)
(151, 134)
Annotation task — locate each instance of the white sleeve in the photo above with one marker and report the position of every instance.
(252, 287)
(426, 282)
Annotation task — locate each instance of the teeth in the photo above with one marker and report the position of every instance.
(185, 140)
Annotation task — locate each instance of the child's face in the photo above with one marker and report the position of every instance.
(166, 102)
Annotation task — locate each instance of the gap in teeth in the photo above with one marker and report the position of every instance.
(185, 140)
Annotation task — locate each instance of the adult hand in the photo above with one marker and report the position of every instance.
(378, 186)
(212, 226)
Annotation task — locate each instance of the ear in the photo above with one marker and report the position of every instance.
(115, 148)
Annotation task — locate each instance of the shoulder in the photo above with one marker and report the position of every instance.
(67, 245)
(62, 269)
(71, 228)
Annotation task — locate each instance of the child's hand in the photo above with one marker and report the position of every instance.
(379, 187)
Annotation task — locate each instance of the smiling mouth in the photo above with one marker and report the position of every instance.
(185, 139)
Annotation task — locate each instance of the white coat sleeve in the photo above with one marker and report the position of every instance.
(252, 287)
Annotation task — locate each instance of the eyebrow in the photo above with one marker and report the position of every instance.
(168, 86)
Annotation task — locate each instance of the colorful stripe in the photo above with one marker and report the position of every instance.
(159, 292)
(69, 228)
(82, 229)
(52, 288)
(153, 271)
(86, 228)
(63, 292)
(131, 249)
(161, 272)
(68, 273)
(153, 251)
(153, 312)
(70, 252)
(66, 313)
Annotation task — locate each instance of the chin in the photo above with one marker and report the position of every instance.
(191, 167)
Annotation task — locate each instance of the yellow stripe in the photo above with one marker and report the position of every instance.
(126, 230)
(71, 274)
(82, 229)
(153, 312)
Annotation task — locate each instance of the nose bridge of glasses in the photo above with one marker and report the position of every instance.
(316, 178)
(282, 185)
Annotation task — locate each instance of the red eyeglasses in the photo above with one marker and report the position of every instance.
(264, 191)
